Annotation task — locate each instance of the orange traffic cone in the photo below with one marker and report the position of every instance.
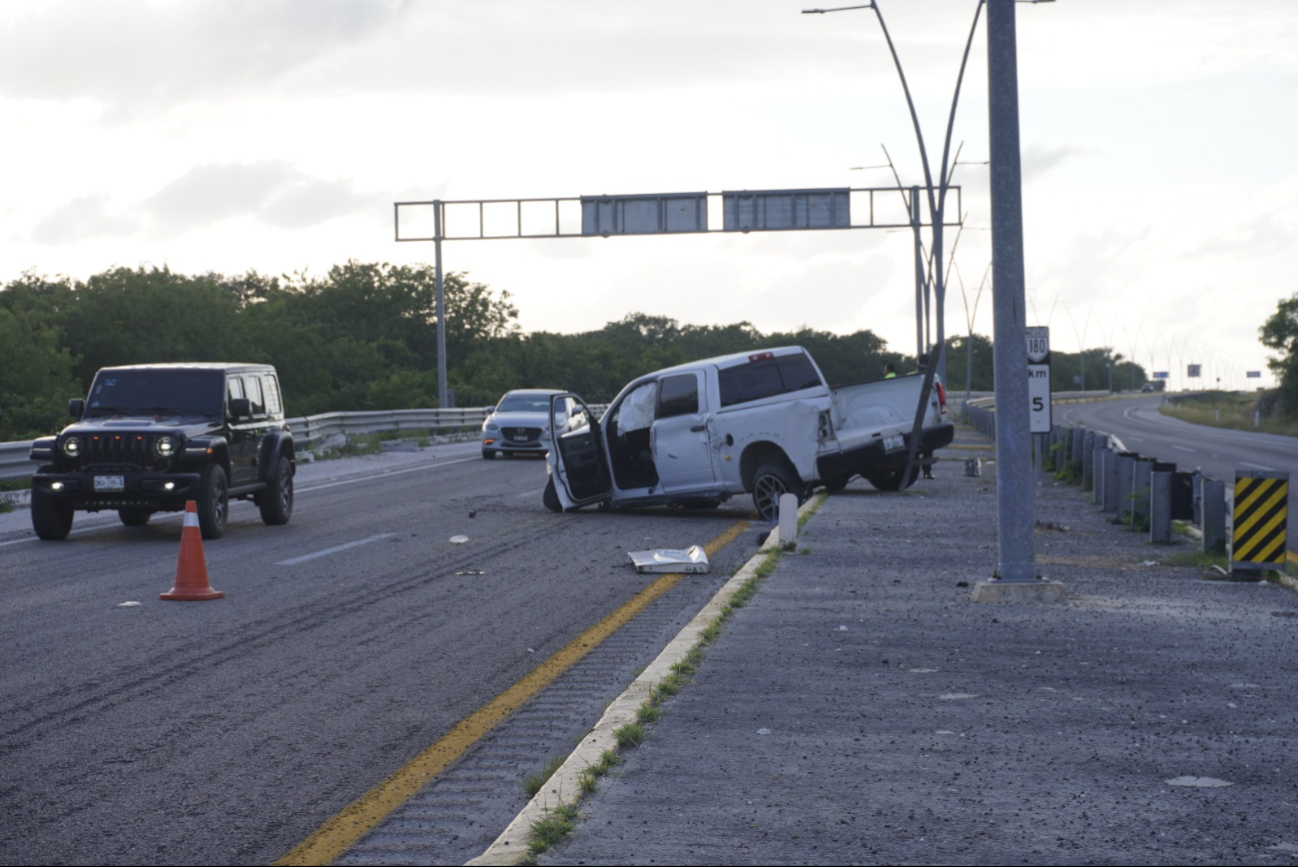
(191, 570)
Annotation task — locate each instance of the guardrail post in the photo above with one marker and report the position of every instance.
(1160, 507)
(1111, 477)
(1077, 450)
(1098, 469)
(1141, 480)
(1088, 464)
(1212, 504)
(1126, 485)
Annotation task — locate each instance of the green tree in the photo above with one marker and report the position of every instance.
(1280, 332)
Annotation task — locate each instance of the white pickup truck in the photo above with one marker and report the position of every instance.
(763, 423)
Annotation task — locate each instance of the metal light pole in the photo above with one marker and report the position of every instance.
(441, 306)
(1081, 341)
(936, 206)
(969, 320)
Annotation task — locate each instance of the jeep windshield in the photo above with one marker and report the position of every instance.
(157, 392)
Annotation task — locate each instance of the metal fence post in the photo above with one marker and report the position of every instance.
(1141, 481)
(1122, 491)
(1213, 504)
(1111, 478)
(1160, 507)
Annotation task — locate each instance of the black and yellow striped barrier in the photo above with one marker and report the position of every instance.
(1261, 516)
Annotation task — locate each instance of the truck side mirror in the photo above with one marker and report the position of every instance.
(240, 407)
(76, 407)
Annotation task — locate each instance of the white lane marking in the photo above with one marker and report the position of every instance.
(334, 550)
(1257, 466)
(383, 475)
(531, 493)
(1183, 449)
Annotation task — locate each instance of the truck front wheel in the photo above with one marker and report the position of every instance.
(771, 480)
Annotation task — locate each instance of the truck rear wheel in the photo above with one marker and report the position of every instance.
(891, 480)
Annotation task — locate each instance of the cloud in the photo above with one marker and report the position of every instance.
(1037, 160)
(82, 219)
(272, 192)
(135, 55)
(1261, 236)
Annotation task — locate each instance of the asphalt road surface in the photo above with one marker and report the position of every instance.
(226, 731)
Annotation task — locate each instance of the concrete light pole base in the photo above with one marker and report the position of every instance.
(1042, 592)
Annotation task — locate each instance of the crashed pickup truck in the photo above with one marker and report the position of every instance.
(763, 423)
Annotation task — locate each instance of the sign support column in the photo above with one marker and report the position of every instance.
(1016, 574)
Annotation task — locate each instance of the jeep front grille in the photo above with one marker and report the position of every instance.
(118, 448)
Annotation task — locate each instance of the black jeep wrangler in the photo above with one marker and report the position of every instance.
(152, 436)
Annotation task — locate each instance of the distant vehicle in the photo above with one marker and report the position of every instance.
(763, 423)
(520, 422)
(1156, 385)
(150, 437)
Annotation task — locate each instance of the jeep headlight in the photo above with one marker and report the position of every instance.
(165, 446)
(72, 446)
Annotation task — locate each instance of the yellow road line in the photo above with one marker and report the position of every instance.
(337, 834)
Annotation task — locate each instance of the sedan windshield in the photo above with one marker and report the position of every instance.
(524, 403)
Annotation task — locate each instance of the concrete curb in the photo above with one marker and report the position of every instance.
(564, 786)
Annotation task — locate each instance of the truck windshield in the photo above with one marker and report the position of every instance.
(157, 392)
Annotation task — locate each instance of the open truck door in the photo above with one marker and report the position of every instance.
(577, 458)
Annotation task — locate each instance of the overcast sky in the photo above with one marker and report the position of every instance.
(1160, 190)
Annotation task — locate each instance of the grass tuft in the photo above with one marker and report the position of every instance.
(533, 783)
(630, 736)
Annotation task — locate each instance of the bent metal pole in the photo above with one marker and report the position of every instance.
(1015, 506)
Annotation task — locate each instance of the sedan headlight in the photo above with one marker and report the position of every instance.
(490, 425)
(72, 446)
(165, 446)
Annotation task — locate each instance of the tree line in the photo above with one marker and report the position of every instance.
(363, 337)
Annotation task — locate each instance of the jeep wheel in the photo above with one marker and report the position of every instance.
(276, 502)
(772, 479)
(213, 501)
(134, 517)
(51, 520)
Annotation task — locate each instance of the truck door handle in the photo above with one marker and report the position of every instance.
(698, 428)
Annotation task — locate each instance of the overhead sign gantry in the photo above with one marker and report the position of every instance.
(606, 216)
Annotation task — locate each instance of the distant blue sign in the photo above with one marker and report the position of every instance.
(1160, 374)
(1192, 370)
(1254, 374)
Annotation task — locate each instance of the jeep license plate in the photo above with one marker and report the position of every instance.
(110, 483)
(894, 443)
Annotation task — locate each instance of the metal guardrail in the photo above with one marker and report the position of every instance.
(309, 432)
(1142, 492)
